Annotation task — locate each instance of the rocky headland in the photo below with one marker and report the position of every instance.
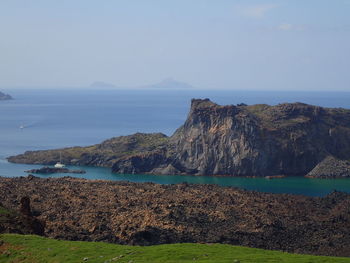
(288, 139)
(4, 96)
(146, 213)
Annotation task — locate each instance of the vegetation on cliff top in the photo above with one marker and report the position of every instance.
(18, 248)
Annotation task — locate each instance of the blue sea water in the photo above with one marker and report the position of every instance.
(56, 118)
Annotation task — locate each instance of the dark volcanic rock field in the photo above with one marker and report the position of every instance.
(145, 214)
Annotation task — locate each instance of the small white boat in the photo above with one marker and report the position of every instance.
(21, 126)
(59, 164)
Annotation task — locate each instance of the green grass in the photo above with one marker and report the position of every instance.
(4, 211)
(19, 248)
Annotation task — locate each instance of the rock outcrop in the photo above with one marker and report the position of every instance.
(148, 214)
(53, 170)
(331, 167)
(258, 140)
(4, 96)
(22, 221)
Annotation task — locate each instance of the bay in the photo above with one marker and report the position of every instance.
(63, 117)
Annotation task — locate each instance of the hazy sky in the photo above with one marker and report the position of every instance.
(230, 44)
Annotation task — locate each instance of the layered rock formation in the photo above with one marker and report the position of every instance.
(257, 140)
(287, 139)
(146, 214)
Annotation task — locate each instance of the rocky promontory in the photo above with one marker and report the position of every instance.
(147, 214)
(104, 154)
(288, 139)
(4, 96)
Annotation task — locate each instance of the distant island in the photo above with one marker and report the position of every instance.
(4, 96)
(290, 139)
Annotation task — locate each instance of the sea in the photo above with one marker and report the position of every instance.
(64, 117)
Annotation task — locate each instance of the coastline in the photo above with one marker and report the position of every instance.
(242, 140)
(195, 175)
(290, 184)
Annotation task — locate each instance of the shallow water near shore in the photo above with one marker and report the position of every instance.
(56, 118)
(289, 185)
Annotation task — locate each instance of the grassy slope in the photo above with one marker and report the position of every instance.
(18, 248)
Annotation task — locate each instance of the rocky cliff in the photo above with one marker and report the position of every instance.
(257, 140)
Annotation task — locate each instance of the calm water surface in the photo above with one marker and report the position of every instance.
(61, 117)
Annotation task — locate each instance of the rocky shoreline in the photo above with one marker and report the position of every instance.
(147, 213)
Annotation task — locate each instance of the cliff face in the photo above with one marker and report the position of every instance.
(256, 140)
(223, 140)
(288, 139)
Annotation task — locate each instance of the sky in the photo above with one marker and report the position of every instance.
(211, 44)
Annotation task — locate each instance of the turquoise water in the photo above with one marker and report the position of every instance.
(60, 118)
(291, 185)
